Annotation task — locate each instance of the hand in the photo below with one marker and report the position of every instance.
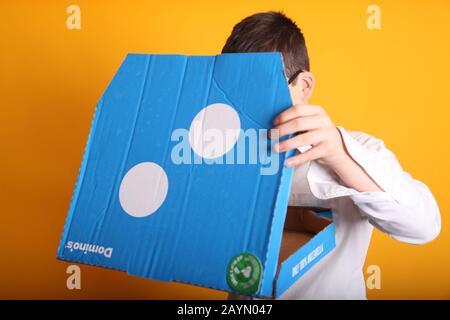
(312, 126)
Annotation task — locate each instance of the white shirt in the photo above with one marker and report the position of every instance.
(406, 210)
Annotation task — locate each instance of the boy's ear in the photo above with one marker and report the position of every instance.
(302, 88)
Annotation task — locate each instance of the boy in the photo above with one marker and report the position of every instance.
(350, 172)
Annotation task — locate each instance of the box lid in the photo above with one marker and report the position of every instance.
(159, 197)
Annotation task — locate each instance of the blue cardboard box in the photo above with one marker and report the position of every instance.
(178, 181)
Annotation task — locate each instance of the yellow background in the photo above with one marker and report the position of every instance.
(392, 83)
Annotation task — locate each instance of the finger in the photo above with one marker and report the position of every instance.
(312, 154)
(297, 125)
(303, 110)
(309, 138)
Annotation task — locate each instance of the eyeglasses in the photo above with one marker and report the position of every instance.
(294, 76)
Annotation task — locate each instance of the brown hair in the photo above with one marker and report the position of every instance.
(271, 31)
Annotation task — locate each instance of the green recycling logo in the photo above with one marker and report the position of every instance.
(244, 273)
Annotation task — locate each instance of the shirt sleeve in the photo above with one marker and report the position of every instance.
(406, 209)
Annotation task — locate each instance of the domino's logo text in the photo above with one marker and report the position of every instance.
(89, 248)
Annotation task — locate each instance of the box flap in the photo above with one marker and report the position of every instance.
(147, 204)
(312, 248)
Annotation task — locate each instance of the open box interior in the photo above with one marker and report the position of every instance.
(301, 225)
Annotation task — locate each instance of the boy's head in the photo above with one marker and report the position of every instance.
(273, 31)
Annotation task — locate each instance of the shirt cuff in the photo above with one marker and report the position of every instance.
(325, 184)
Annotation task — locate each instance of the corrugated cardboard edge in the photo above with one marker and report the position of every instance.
(144, 277)
(80, 178)
(82, 170)
(279, 216)
(276, 232)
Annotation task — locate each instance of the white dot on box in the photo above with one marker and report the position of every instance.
(143, 189)
(214, 130)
